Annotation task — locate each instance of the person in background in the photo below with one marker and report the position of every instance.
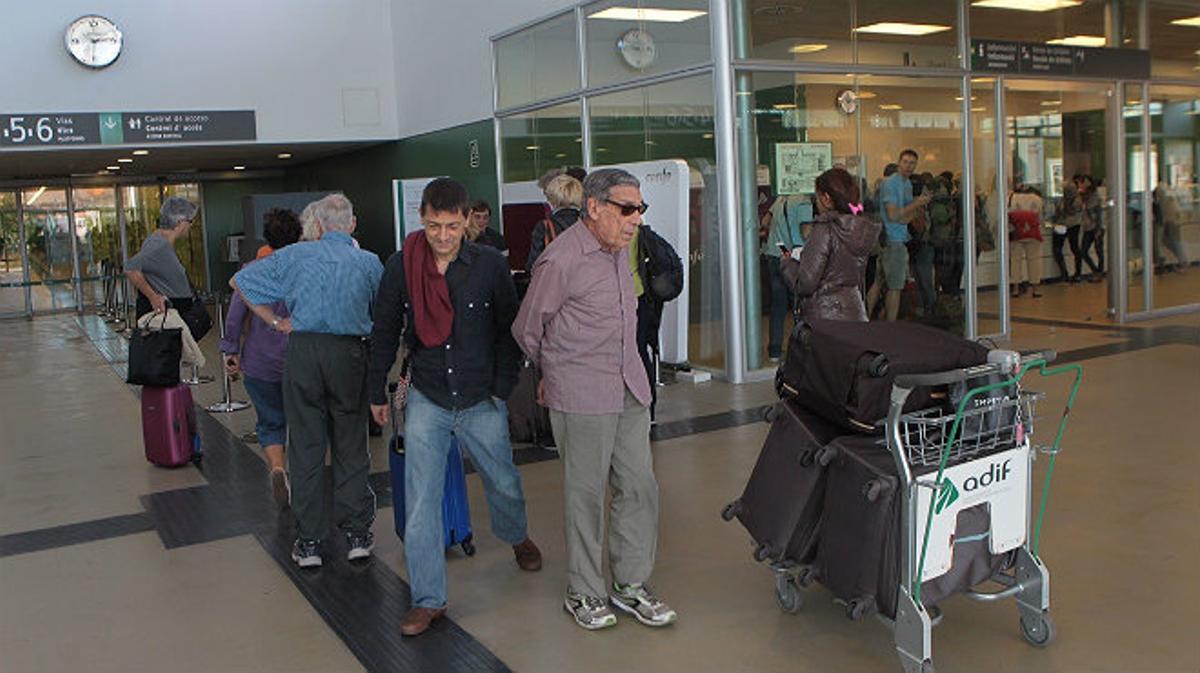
(578, 324)
(828, 272)
(256, 349)
(897, 208)
(328, 287)
(657, 279)
(478, 229)
(1092, 213)
(565, 196)
(155, 270)
(784, 225)
(1167, 217)
(1025, 227)
(452, 301)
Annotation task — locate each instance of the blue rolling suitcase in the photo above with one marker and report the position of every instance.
(456, 511)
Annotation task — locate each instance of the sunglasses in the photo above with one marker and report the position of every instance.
(628, 209)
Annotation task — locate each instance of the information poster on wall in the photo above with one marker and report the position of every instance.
(797, 166)
(406, 204)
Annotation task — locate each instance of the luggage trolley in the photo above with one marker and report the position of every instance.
(983, 453)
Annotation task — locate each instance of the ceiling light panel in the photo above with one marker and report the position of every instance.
(1080, 41)
(1193, 21)
(1027, 5)
(647, 14)
(808, 48)
(908, 29)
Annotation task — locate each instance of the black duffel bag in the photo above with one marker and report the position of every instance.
(196, 318)
(154, 355)
(843, 370)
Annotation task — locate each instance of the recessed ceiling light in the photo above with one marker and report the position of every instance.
(867, 94)
(125, 160)
(560, 155)
(1193, 21)
(978, 109)
(1027, 5)
(808, 48)
(239, 168)
(601, 149)
(647, 14)
(898, 28)
(579, 140)
(140, 153)
(784, 106)
(708, 136)
(1134, 102)
(113, 168)
(651, 142)
(1050, 103)
(959, 98)
(284, 155)
(1080, 41)
(891, 106)
(533, 148)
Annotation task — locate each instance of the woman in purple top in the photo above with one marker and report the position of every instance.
(254, 346)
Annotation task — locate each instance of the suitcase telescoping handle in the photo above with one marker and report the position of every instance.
(910, 381)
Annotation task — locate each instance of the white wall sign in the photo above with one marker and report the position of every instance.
(406, 204)
(797, 166)
(665, 186)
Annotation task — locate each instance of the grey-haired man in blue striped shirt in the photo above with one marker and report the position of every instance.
(329, 286)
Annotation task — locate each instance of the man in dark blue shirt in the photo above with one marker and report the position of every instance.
(453, 302)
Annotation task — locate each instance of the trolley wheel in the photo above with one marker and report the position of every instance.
(1039, 632)
(788, 594)
(468, 547)
(805, 576)
(731, 510)
(762, 552)
(857, 608)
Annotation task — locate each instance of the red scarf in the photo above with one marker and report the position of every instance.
(428, 291)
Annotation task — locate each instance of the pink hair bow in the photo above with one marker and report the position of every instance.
(856, 208)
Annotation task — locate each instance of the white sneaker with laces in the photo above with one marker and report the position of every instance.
(589, 612)
(639, 601)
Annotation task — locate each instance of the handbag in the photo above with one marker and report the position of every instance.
(154, 355)
(197, 319)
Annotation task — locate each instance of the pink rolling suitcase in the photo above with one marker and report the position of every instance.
(169, 426)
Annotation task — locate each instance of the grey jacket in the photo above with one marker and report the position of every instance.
(829, 273)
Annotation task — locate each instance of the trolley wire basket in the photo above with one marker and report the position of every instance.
(998, 423)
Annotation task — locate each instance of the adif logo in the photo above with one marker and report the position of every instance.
(996, 473)
(946, 496)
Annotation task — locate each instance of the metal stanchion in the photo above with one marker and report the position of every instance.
(226, 405)
(127, 309)
(112, 296)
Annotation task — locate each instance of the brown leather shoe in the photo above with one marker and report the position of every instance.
(529, 557)
(417, 620)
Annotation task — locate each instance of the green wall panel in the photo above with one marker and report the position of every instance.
(223, 216)
(366, 176)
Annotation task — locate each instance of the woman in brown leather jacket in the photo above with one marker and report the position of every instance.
(827, 273)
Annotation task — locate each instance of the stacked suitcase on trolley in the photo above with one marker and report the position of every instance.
(854, 441)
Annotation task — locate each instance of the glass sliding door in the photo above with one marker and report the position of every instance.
(51, 261)
(13, 288)
(1175, 128)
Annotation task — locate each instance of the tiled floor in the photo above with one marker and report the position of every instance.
(1121, 540)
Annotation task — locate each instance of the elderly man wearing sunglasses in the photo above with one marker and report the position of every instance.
(578, 323)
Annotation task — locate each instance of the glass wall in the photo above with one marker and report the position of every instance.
(534, 142)
(1175, 126)
(674, 120)
(875, 32)
(627, 40)
(1175, 39)
(12, 266)
(538, 63)
(1137, 218)
(990, 208)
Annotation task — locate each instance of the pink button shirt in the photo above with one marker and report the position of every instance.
(578, 323)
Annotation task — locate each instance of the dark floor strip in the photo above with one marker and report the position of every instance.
(364, 603)
(75, 533)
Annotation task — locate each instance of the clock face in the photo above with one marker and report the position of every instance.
(94, 41)
(847, 101)
(637, 48)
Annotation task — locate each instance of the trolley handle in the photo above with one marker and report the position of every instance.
(910, 381)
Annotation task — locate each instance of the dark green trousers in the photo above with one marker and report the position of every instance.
(325, 398)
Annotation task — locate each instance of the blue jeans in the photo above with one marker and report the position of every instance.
(482, 433)
(267, 397)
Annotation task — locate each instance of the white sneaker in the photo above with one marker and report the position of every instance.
(307, 553)
(589, 612)
(639, 601)
(360, 545)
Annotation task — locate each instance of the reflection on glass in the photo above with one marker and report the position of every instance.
(1056, 146)
(632, 38)
(534, 142)
(674, 120)
(49, 232)
(989, 219)
(98, 239)
(877, 32)
(12, 270)
(1137, 216)
(1175, 122)
(190, 250)
(538, 63)
(1173, 46)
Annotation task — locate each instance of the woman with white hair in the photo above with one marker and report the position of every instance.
(155, 270)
